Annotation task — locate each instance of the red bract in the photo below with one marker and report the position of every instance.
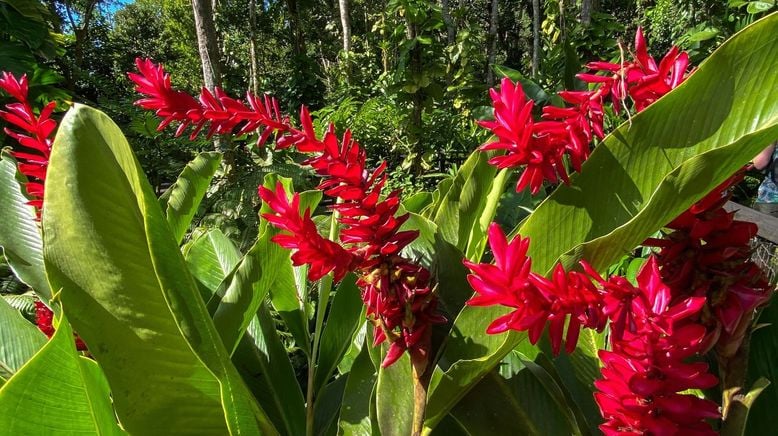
(312, 249)
(44, 318)
(35, 136)
(540, 146)
(648, 366)
(397, 292)
(223, 114)
(642, 79)
(568, 296)
(516, 133)
(708, 253)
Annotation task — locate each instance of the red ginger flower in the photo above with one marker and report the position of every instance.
(642, 78)
(647, 368)
(517, 134)
(540, 146)
(224, 114)
(536, 300)
(397, 293)
(708, 253)
(35, 136)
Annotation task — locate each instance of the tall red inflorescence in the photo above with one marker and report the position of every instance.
(650, 362)
(540, 147)
(568, 297)
(707, 253)
(398, 294)
(654, 334)
(36, 137)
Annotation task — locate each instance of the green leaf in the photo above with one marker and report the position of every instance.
(20, 236)
(394, 398)
(763, 354)
(19, 339)
(263, 362)
(460, 210)
(327, 406)
(757, 7)
(58, 392)
(185, 195)
(354, 417)
(211, 257)
(128, 290)
(240, 294)
(344, 317)
(637, 180)
(519, 404)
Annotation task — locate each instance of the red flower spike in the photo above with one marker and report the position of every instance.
(514, 128)
(647, 367)
(567, 298)
(323, 255)
(396, 292)
(221, 113)
(539, 147)
(707, 254)
(36, 136)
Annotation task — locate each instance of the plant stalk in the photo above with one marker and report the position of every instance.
(325, 286)
(732, 373)
(421, 381)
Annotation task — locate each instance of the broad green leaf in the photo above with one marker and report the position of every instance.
(238, 297)
(211, 257)
(477, 242)
(394, 398)
(58, 392)
(637, 180)
(575, 373)
(344, 317)
(460, 209)
(417, 202)
(108, 248)
(517, 405)
(240, 294)
(184, 197)
(354, 417)
(763, 354)
(19, 339)
(327, 406)
(263, 362)
(20, 237)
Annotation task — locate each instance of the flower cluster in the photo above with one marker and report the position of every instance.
(653, 334)
(35, 136)
(398, 294)
(567, 297)
(648, 366)
(541, 146)
(707, 253)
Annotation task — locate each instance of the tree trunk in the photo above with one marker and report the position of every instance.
(295, 27)
(451, 30)
(491, 50)
(209, 51)
(587, 7)
(254, 66)
(535, 37)
(345, 22)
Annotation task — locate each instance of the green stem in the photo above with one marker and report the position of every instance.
(325, 286)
